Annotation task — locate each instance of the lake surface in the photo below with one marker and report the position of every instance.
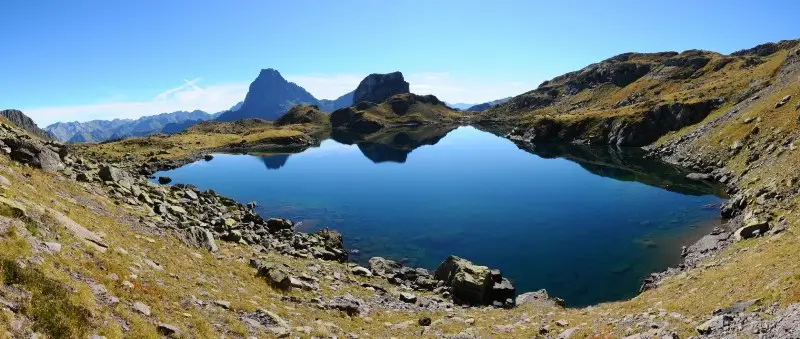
(587, 224)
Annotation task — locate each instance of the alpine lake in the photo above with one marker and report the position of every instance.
(585, 223)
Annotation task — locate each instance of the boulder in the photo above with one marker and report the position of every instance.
(348, 304)
(275, 276)
(168, 330)
(408, 298)
(783, 101)
(111, 173)
(751, 229)
(200, 237)
(275, 224)
(164, 180)
(716, 323)
(384, 267)
(362, 271)
(35, 154)
(539, 298)
(473, 284)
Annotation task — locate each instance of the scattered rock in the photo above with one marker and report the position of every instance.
(348, 304)
(783, 101)
(362, 271)
(751, 229)
(141, 308)
(168, 330)
(53, 247)
(200, 237)
(111, 174)
(566, 334)
(539, 298)
(223, 304)
(89, 237)
(715, 324)
(425, 321)
(408, 297)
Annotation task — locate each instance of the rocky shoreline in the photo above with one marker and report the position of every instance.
(707, 246)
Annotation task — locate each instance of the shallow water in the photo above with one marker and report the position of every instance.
(587, 224)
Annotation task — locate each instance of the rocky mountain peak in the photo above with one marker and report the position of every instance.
(379, 87)
(269, 96)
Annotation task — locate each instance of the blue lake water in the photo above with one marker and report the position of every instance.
(587, 224)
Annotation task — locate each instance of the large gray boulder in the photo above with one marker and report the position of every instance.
(473, 284)
(200, 237)
(35, 154)
(379, 87)
(111, 174)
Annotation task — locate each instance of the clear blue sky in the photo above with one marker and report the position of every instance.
(80, 53)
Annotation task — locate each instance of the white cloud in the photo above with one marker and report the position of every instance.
(443, 85)
(186, 97)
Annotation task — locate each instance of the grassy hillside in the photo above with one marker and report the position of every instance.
(399, 110)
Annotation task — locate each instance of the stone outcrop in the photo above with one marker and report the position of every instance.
(33, 151)
(379, 87)
(21, 120)
(475, 285)
(639, 129)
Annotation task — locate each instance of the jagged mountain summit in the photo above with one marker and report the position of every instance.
(18, 118)
(269, 97)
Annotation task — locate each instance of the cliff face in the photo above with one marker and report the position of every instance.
(377, 88)
(18, 118)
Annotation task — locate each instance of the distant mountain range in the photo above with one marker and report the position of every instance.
(462, 106)
(486, 105)
(102, 130)
(477, 107)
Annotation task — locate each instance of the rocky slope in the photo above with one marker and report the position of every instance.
(21, 120)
